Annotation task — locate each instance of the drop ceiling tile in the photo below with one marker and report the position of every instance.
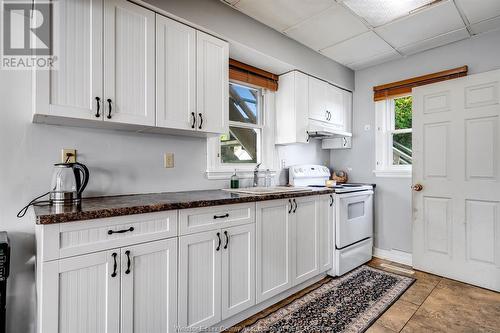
(486, 25)
(230, 2)
(479, 10)
(437, 41)
(375, 60)
(358, 48)
(427, 23)
(334, 25)
(282, 14)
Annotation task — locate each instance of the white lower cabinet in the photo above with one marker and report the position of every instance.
(216, 275)
(273, 240)
(305, 222)
(130, 289)
(326, 236)
(149, 287)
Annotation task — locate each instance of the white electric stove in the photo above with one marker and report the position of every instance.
(353, 216)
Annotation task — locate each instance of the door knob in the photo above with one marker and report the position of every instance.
(417, 187)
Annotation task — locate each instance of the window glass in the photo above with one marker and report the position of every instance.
(401, 149)
(239, 145)
(243, 104)
(402, 112)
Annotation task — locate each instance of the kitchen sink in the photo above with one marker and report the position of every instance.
(268, 190)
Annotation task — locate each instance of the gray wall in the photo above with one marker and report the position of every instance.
(393, 195)
(120, 162)
(235, 26)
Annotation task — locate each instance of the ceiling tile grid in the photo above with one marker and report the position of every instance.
(364, 33)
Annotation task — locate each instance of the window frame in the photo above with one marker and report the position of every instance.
(385, 119)
(265, 141)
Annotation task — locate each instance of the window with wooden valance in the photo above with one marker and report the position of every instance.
(241, 72)
(403, 87)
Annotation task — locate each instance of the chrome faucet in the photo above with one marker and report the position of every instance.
(256, 175)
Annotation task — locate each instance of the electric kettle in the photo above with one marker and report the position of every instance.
(68, 183)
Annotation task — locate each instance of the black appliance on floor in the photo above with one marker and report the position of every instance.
(4, 273)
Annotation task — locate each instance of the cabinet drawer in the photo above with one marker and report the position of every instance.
(215, 217)
(75, 238)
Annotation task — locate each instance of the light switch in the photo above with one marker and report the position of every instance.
(169, 160)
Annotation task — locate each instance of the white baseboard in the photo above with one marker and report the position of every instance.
(401, 257)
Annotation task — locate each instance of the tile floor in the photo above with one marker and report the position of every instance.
(431, 304)
(436, 304)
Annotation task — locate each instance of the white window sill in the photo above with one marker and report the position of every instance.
(242, 174)
(393, 173)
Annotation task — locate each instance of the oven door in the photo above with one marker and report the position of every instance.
(354, 217)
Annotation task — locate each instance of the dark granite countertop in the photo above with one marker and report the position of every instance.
(101, 207)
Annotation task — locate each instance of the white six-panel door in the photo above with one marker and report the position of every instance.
(212, 78)
(199, 280)
(81, 294)
(149, 287)
(71, 89)
(175, 74)
(273, 248)
(129, 63)
(456, 140)
(238, 269)
(305, 226)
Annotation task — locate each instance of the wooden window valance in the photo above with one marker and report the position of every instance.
(394, 89)
(245, 73)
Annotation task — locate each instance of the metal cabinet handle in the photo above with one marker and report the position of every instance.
(218, 246)
(295, 209)
(227, 239)
(109, 111)
(127, 253)
(98, 101)
(114, 265)
(331, 202)
(221, 216)
(110, 232)
(291, 206)
(345, 141)
(201, 120)
(194, 119)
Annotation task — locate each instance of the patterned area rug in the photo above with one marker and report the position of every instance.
(350, 303)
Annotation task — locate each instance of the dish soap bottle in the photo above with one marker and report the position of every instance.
(235, 181)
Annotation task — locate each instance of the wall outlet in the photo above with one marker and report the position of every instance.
(68, 155)
(168, 160)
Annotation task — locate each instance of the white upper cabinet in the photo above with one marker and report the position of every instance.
(212, 84)
(306, 104)
(175, 74)
(74, 87)
(292, 107)
(129, 63)
(130, 68)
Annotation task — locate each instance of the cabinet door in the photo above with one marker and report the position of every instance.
(305, 238)
(273, 248)
(326, 232)
(129, 63)
(149, 287)
(199, 280)
(175, 74)
(212, 83)
(317, 99)
(335, 106)
(347, 100)
(238, 269)
(81, 294)
(71, 88)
